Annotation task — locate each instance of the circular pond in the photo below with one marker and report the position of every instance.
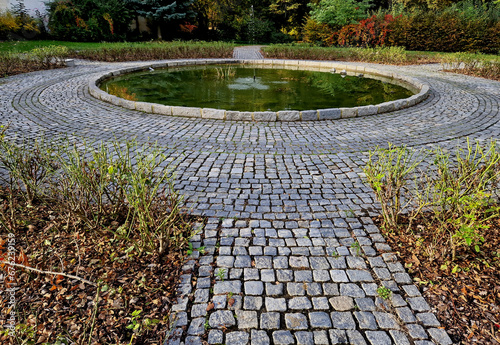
(252, 88)
(257, 90)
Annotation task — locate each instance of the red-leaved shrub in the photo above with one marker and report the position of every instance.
(370, 32)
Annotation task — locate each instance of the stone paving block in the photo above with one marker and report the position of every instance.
(252, 303)
(193, 340)
(267, 275)
(274, 289)
(299, 262)
(342, 320)
(397, 301)
(342, 303)
(339, 276)
(386, 320)
(304, 338)
(399, 337)
(320, 303)
(418, 304)
(296, 289)
(416, 331)
(254, 288)
(296, 321)
(321, 338)
(288, 116)
(338, 336)
(303, 276)
(299, 303)
(355, 338)
(259, 337)
(313, 289)
(275, 304)
(221, 319)
(283, 338)
(331, 289)
(321, 276)
(270, 320)
(378, 338)
(411, 291)
(197, 326)
(268, 116)
(366, 320)
(440, 336)
(406, 315)
(198, 310)
(320, 320)
(215, 337)
(243, 261)
(428, 319)
(351, 290)
(201, 295)
(237, 338)
(227, 287)
(247, 319)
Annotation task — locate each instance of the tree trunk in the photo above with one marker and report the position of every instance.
(159, 33)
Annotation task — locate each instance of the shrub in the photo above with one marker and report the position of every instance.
(159, 51)
(370, 32)
(99, 184)
(49, 56)
(14, 25)
(8, 24)
(472, 64)
(89, 20)
(317, 33)
(35, 60)
(390, 55)
(337, 13)
(454, 191)
(445, 31)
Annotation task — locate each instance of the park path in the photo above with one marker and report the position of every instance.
(286, 206)
(247, 53)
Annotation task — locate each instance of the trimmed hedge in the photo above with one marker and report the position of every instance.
(445, 32)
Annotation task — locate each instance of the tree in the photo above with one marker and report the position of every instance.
(89, 20)
(337, 13)
(163, 12)
(290, 14)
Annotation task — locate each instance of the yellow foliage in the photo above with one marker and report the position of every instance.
(8, 22)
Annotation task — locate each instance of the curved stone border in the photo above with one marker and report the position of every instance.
(267, 116)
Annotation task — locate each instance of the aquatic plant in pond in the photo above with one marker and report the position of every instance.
(247, 88)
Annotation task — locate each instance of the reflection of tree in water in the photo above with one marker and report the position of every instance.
(389, 91)
(336, 86)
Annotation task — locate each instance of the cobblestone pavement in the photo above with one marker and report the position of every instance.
(247, 52)
(291, 254)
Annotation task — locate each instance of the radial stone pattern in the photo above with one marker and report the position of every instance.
(284, 200)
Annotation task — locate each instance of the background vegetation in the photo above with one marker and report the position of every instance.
(429, 25)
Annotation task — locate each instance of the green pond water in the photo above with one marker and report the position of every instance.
(245, 88)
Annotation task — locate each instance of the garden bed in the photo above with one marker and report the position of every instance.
(91, 240)
(464, 294)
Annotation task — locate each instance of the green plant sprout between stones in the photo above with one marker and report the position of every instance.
(384, 292)
(356, 246)
(221, 274)
(191, 249)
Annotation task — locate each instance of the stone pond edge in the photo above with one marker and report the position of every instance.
(267, 116)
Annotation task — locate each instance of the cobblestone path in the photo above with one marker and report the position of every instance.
(284, 201)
